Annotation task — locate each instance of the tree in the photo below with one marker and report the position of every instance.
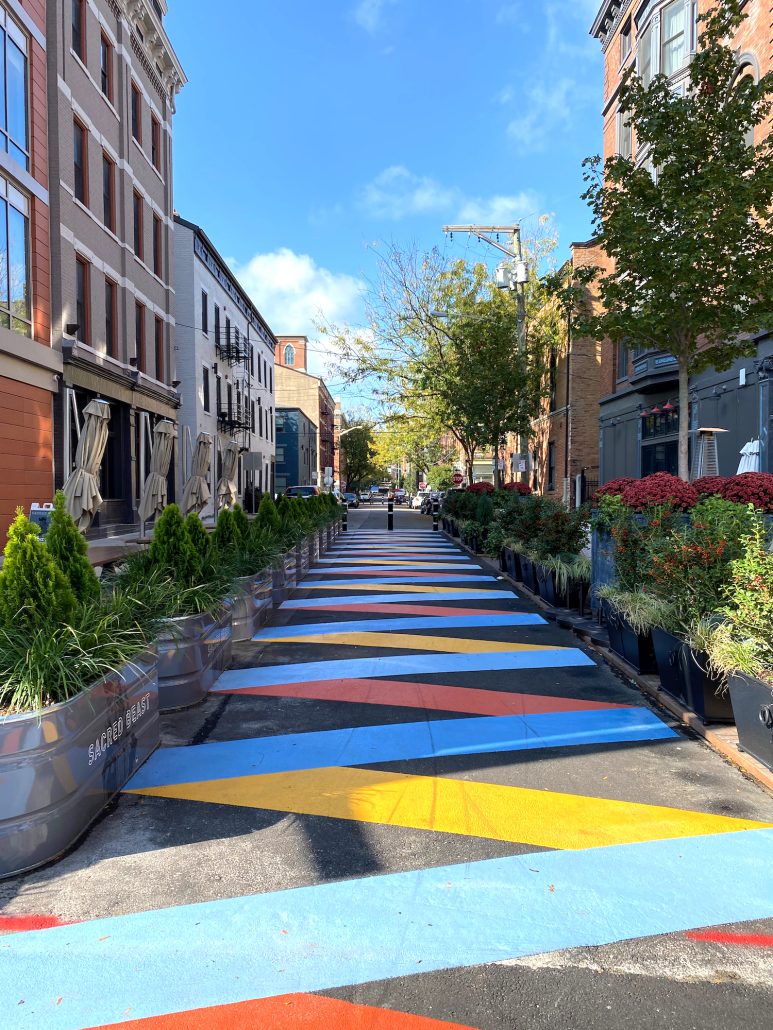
(268, 517)
(690, 243)
(33, 589)
(358, 452)
(441, 477)
(198, 535)
(171, 547)
(443, 347)
(69, 550)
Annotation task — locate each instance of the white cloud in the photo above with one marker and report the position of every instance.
(548, 108)
(368, 14)
(397, 193)
(294, 293)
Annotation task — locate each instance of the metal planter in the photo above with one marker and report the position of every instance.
(668, 649)
(59, 768)
(704, 694)
(251, 600)
(628, 645)
(528, 573)
(753, 709)
(193, 651)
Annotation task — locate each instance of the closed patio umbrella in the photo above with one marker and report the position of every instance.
(153, 500)
(226, 487)
(196, 491)
(81, 490)
(750, 457)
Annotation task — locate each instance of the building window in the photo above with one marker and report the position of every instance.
(136, 114)
(271, 381)
(252, 362)
(80, 162)
(289, 354)
(252, 415)
(271, 423)
(622, 359)
(106, 67)
(624, 136)
(645, 56)
(551, 465)
(82, 300)
(14, 119)
(158, 329)
(108, 192)
(218, 395)
(260, 419)
(260, 376)
(111, 346)
(139, 335)
(663, 423)
(228, 332)
(552, 378)
(674, 37)
(217, 325)
(205, 388)
(155, 142)
(79, 28)
(625, 42)
(204, 313)
(139, 244)
(157, 246)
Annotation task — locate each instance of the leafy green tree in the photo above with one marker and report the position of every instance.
(199, 537)
(358, 453)
(688, 232)
(441, 477)
(70, 551)
(33, 589)
(171, 548)
(241, 523)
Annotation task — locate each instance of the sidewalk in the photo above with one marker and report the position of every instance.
(413, 804)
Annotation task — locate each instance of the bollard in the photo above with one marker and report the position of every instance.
(390, 514)
(344, 526)
(435, 513)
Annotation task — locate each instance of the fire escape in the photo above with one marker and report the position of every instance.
(234, 414)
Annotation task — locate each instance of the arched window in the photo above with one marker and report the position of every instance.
(289, 354)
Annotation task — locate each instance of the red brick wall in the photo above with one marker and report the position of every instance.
(26, 446)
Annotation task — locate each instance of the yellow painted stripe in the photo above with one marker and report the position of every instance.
(515, 814)
(383, 588)
(415, 642)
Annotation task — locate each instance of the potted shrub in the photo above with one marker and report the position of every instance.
(740, 646)
(254, 551)
(630, 617)
(78, 692)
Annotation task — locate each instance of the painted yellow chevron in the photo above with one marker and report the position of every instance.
(516, 814)
(415, 642)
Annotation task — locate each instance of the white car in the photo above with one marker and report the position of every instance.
(418, 498)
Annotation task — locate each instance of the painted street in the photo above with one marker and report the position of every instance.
(411, 804)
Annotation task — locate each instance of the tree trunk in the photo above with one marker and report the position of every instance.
(469, 458)
(497, 476)
(684, 420)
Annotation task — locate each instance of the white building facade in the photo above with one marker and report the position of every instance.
(225, 364)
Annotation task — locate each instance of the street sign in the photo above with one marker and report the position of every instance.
(458, 478)
(422, 486)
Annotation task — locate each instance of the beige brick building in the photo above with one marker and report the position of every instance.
(297, 388)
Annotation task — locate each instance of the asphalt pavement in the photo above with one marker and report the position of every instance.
(412, 803)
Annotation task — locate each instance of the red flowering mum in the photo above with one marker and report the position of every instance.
(708, 485)
(615, 487)
(750, 488)
(660, 489)
(522, 488)
(480, 488)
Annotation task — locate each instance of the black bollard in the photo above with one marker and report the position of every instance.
(344, 516)
(435, 514)
(390, 514)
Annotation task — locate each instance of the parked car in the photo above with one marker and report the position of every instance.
(400, 496)
(365, 495)
(418, 499)
(301, 491)
(352, 499)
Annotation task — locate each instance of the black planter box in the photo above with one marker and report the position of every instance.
(546, 581)
(753, 709)
(528, 575)
(637, 651)
(454, 528)
(502, 560)
(513, 565)
(702, 696)
(668, 649)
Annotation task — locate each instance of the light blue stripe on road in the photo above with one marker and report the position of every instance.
(401, 625)
(365, 745)
(380, 580)
(451, 595)
(366, 565)
(376, 928)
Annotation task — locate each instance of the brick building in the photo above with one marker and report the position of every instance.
(297, 388)
(29, 367)
(639, 413)
(112, 80)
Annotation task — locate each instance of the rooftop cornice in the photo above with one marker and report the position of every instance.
(158, 50)
(609, 17)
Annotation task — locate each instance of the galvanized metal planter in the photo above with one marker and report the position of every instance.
(193, 651)
(753, 709)
(251, 601)
(59, 768)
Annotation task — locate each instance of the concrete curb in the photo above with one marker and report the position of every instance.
(722, 739)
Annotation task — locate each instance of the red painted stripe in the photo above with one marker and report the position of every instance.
(433, 696)
(374, 570)
(289, 1012)
(753, 940)
(407, 609)
(20, 924)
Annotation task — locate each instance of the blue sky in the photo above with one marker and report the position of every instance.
(309, 131)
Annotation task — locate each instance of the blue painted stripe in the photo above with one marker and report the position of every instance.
(380, 580)
(375, 928)
(364, 745)
(413, 664)
(402, 624)
(387, 563)
(452, 595)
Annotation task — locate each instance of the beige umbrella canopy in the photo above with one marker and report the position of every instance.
(226, 487)
(81, 490)
(153, 500)
(196, 492)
